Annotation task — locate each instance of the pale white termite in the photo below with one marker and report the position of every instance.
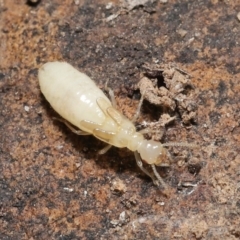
(76, 98)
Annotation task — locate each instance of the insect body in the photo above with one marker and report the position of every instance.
(79, 101)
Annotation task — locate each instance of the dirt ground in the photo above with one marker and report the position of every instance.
(186, 54)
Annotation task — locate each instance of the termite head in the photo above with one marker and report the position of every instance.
(153, 152)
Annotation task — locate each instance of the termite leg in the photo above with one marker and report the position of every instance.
(140, 165)
(137, 113)
(111, 94)
(159, 178)
(102, 134)
(105, 149)
(78, 132)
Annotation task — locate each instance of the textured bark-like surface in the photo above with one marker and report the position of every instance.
(53, 184)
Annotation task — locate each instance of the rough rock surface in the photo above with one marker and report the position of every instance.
(53, 184)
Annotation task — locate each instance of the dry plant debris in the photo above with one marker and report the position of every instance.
(175, 94)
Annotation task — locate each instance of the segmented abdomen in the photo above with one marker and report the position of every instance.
(71, 93)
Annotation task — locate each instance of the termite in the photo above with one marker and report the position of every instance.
(77, 99)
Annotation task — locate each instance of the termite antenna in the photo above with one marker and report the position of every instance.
(177, 144)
